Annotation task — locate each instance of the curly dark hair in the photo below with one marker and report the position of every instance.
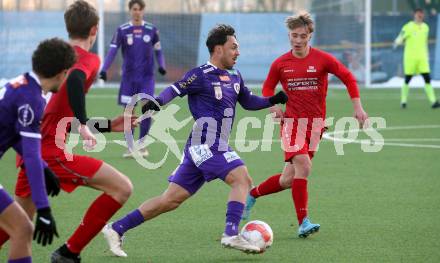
(80, 17)
(141, 4)
(52, 56)
(218, 36)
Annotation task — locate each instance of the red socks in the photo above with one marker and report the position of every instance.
(101, 210)
(270, 186)
(300, 198)
(3, 237)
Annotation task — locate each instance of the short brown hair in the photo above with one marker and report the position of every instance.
(303, 19)
(141, 4)
(80, 17)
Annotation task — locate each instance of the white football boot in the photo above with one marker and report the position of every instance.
(114, 241)
(239, 243)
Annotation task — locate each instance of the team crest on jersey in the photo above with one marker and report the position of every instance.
(237, 87)
(130, 39)
(147, 38)
(25, 115)
(218, 92)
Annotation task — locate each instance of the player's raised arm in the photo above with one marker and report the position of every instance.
(337, 68)
(111, 54)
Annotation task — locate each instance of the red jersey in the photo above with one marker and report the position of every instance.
(305, 81)
(58, 106)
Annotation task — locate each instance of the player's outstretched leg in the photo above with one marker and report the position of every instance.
(250, 202)
(270, 186)
(169, 200)
(273, 184)
(117, 189)
(240, 182)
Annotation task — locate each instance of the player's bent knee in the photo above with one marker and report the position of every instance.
(303, 168)
(239, 177)
(286, 181)
(245, 180)
(27, 230)
(125, 190)
(24, 230)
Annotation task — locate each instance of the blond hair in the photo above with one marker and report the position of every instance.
(303, 19)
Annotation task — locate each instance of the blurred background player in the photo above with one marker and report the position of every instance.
(21, 110)
(213, 91)
(76, 170)
(415, 35)
(303, 74)
(138, 40)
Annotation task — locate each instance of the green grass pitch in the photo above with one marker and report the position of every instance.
(372, 207)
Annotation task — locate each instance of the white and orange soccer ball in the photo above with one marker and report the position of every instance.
(258, 233)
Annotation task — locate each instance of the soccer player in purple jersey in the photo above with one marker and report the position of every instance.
(139, 42)
(21, 109)
(213, 91)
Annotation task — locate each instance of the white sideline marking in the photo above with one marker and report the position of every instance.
(389, 142)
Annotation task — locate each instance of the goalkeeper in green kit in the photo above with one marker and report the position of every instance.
(414, 35)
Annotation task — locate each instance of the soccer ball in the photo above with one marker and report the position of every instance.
(258, 233)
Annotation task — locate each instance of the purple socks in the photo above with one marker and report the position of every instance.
(233, 217)
(21, 260)
(128, 222)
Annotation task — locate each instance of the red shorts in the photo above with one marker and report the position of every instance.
(300, 139)
(71, 173)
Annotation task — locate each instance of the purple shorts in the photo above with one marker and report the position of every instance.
(131, 86)
(200, 165)
(5, 199)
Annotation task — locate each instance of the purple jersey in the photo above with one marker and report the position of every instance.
(138, 45)
(21, 110)
(212, 97)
